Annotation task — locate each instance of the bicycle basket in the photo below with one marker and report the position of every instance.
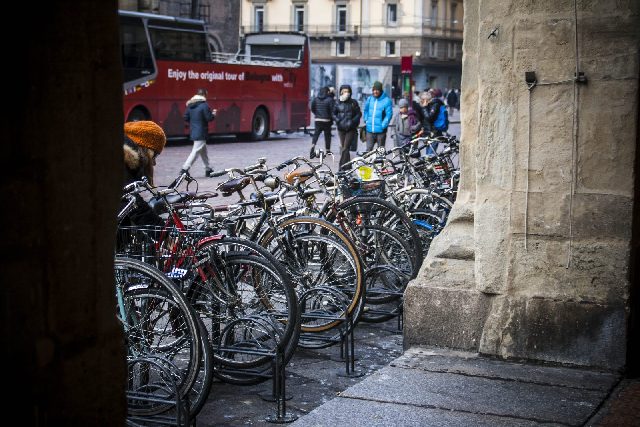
(355, 187)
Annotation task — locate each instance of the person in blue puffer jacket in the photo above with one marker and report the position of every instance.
(377, 114)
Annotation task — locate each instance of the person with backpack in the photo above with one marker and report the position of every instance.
(377, 113)
(436, 114)
(346, 115)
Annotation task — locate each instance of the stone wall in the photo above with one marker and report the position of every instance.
(62, 136)
(534, 262)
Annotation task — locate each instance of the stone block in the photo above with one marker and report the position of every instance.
(604, 156)
(557, 331)
(491, 231)
(597, 271)
(448, 317)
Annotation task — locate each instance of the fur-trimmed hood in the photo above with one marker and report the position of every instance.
(195, 99)
(138, 162)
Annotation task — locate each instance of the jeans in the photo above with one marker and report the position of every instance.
(199, 148)
(373, 138)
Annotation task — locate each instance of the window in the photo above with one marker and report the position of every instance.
(178, 44)
(434, 13)
(392, 14)
(433, 48)
(298, 16)
(454, 19)
(341, 49)
(136, 55)
(452, 50)
(341, 18)
(391, 48)
(259, 19)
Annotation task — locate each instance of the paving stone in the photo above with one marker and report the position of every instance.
(359, 413)
(542, 403)
(441, 360)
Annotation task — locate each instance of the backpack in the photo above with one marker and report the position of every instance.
(442, 121)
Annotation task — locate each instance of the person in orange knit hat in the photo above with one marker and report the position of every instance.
(143, 142)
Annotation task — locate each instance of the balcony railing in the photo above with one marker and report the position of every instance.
(336, 31)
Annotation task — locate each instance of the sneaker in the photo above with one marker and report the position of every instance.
(208, 173)
(329, 152)
(183, 171)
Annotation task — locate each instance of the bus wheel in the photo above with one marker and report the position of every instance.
(136, 115)
(260, 125)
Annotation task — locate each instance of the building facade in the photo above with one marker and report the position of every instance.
(358, 42)
(222, 17)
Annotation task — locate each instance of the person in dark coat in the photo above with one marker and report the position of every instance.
(322, 109)
(432, 110)
(346, 115)
(143, 142)
(452, 100)
(199, 114)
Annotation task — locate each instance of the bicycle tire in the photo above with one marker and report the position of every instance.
(309, 233)
(374, 210)
(139, 281)
(211, 299)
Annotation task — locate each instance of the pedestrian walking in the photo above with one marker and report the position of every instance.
(322, 109)
(406, 123)
(143, 142)
(346, 115)
(452, 101)
(199, 114)
(377, 113)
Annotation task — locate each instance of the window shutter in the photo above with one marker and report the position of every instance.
(347, 48)
(334, 48)
(383, 48)
(398, 51)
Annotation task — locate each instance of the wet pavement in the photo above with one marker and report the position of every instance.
(313, 377)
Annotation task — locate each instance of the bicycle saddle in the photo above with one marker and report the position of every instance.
(158, 206)
(301, 174)
(229, 187)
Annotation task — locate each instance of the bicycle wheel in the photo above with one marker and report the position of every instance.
(385, 251)
(429, 225)
(157, 320)
(235, 278)
(317, 253)
(376, 211)
(199, 392)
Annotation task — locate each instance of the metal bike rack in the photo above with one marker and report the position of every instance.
(165, 393)
(278, 371)
(395, 305)
(346, 332)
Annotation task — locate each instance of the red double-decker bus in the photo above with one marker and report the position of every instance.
(263, 89)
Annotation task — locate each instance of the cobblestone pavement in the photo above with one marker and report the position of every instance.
(226, 152)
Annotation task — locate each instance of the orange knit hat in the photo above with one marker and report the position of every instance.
(146, 134)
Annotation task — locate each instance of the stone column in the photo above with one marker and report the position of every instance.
(534, 261)
(62, 179)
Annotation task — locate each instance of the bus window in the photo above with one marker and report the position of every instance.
(179, 44)
(293, 52)
(137, 62)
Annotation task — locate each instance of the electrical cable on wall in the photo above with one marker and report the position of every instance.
(532, 82)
